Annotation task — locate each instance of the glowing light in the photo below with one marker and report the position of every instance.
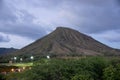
(32, 57)
(30, 68)
(12, 70)
(48, 57)
(21, 59)
(23, 68)
(15, 58)
(19, 70)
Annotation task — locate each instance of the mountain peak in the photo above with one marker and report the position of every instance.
(66, 42)
(60, 27)
(64, 28)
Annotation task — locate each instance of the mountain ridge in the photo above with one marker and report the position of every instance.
(66, 42)
(7, 50)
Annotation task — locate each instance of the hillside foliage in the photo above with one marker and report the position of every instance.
(90, 68)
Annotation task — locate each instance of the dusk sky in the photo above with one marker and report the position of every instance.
(24, 21)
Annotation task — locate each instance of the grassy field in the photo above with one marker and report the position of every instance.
(18, 64)
(22, 64)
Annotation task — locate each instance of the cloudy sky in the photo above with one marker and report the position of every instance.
(24, 21)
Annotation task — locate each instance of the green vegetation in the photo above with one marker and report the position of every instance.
(2, 77)
(22, 64)
(90, 68)
(17, 64)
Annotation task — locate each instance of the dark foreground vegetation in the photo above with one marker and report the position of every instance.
(90, 68)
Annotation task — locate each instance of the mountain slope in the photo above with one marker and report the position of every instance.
(67, 42)
(7, 50)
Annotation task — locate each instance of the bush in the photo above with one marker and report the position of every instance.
(15, 76)
(82, 77)
(109, 73)
(112, 72)
(2, 77)
(60, 69)
(90, 68)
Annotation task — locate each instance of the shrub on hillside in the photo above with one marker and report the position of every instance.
(58, 69)
(90, 68)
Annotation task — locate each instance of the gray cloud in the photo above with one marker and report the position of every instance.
(6, 13)
(94, 19)
(4, 38)
(89, 16)
(1, 2)
(25, 30)
(19, 23)
(118, 2)
(111, 36)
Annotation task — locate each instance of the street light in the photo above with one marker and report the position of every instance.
(12, 70)
(15, 58)
(48, 57)
(31, 57)
(21, 59)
